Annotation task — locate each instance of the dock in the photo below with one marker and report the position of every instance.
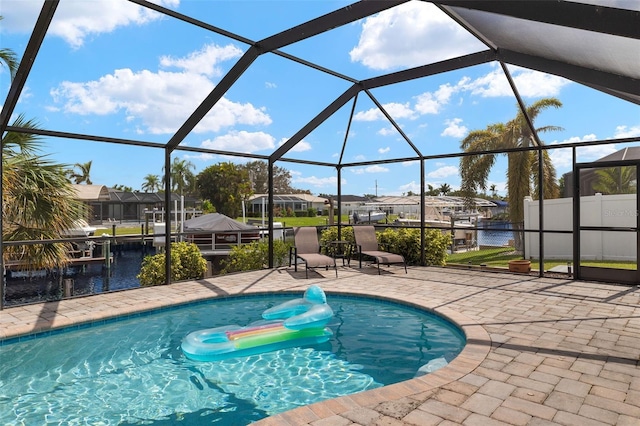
(75, 261)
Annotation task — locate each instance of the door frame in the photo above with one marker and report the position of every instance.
(622, 276)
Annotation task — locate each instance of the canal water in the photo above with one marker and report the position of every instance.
(500, 233)
(40, 286)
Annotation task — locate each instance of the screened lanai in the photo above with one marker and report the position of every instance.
(323, 73)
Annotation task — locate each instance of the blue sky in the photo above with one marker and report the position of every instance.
(112, 68)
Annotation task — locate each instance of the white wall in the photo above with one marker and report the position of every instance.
(598, 210)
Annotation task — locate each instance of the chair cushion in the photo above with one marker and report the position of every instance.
(384, 257)
(315, 260)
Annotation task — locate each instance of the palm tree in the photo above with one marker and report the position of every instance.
(522, 170)
(151, 183)
(83, 173)
(494, 191)
(181, 175)
(444, 189)
(38, 202)
(616, 180)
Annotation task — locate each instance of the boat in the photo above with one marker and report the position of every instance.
(79, 228)
(367, 216)
(297, 322)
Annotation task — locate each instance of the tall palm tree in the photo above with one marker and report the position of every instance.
(151, 183)
(522, 170)
(38, 201)
(181, 175)
(83, 173)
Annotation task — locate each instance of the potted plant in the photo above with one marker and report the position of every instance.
(520, 265)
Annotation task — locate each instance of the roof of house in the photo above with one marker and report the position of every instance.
(290, 197)
(629, 153)
(352, 198)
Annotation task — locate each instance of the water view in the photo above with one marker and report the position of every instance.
(40, 286)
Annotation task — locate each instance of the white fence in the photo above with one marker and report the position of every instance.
(596, 210)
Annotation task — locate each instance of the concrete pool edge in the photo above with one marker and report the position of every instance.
(403, 396)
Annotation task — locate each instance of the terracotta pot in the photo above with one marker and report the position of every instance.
(521, 265)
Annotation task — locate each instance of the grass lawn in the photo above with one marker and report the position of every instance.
(289, 222)
(500, 257)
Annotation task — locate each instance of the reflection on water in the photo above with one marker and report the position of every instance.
(40, 286)
(500, 233)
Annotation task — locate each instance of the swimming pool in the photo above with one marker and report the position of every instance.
(133, 372)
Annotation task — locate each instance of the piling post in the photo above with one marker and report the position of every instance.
(106, 248)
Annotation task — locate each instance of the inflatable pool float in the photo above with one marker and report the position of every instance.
(296, 322)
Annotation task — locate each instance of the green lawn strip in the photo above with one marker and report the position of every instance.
(500, 257)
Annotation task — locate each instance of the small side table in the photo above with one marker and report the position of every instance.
(341, 250)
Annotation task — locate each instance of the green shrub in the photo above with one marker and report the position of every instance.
(404, 241)
(331, 234)
(253, 256)
(312, 212)
(187, 263)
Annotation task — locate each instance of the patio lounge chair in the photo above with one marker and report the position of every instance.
(307, 248)
(367, 246)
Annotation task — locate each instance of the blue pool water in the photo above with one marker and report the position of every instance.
(132, 371)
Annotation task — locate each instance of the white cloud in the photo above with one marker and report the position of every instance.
(443, 172)
(386, 131)
(384, 150)
(370, 169)
(376, 169)
(395, 110)
(75, 21)
(241, 142)
(161, 100)
(563, 158)
(317, 182)
(454, 129)
(432, 103)
(200, 157)
(204, 61)
(270, 85)
(530, 84)
(299, 147)
(396, 38)
(627, 132)
(412, 186)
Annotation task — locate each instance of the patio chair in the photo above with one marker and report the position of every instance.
(367, 246)
(307, 248)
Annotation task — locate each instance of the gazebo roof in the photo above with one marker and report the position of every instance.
(215, 222)
(91, 192)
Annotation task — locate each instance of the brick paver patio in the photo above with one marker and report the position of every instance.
(540, 350)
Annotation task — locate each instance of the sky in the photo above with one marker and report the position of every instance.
(115, 69)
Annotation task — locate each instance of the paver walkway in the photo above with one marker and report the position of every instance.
(541, 351)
